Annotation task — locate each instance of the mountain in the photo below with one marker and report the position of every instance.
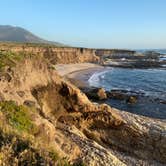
(17, 34)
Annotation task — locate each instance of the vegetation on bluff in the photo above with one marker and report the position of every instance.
(8, 58)
(18, 116)
(18, 145)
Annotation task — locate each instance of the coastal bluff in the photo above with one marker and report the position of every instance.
(72, 55)
(46, 120)
(56, 55)
(65, 55)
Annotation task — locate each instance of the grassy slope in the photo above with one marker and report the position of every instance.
(18, 145)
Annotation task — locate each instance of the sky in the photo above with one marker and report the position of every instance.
(133, 24)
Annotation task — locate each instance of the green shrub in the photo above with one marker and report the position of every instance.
(54, 155)
(18, 116)
(8, 58)
(17, 148)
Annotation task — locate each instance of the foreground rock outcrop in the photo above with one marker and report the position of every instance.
(65, 120)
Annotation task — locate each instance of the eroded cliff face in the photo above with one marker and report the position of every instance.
(78, 129)
(114, 52)
(58, 104)
(71, 55)
(56, 55)
(66, 55)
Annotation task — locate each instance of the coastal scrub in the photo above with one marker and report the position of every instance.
(8, 58)
(17, 116)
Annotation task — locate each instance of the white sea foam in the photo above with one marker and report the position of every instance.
(151, 82)
(95, 79)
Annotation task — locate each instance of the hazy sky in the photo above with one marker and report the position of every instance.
(91, 23)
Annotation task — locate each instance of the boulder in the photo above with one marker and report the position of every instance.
(118, 94)
(101, 94)
(128, 96)
(163, 101)
(96, 93)
(132, 100)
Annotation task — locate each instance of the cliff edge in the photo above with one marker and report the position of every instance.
(46, 120)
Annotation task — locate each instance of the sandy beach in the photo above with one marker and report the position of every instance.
(78, 74)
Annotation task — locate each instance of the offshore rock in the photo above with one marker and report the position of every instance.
(95, 93)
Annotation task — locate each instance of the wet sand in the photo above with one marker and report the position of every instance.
(78, 74)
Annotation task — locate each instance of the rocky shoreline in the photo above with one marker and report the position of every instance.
(117, 98)
(127, 101)
(42, 114)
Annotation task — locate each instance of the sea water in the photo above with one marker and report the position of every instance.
(152, 82)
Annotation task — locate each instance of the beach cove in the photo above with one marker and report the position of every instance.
(150, 99)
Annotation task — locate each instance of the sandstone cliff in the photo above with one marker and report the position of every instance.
(56, 55)
(65, 55)
(114, 52)
(61, 117)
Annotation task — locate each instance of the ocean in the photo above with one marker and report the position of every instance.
(161, 51)
(151, 82)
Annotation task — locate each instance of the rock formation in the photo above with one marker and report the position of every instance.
(63, 118)
(55, 55)
(95, 93)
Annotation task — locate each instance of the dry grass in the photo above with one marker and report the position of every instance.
(8, 58)
(18, 145)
